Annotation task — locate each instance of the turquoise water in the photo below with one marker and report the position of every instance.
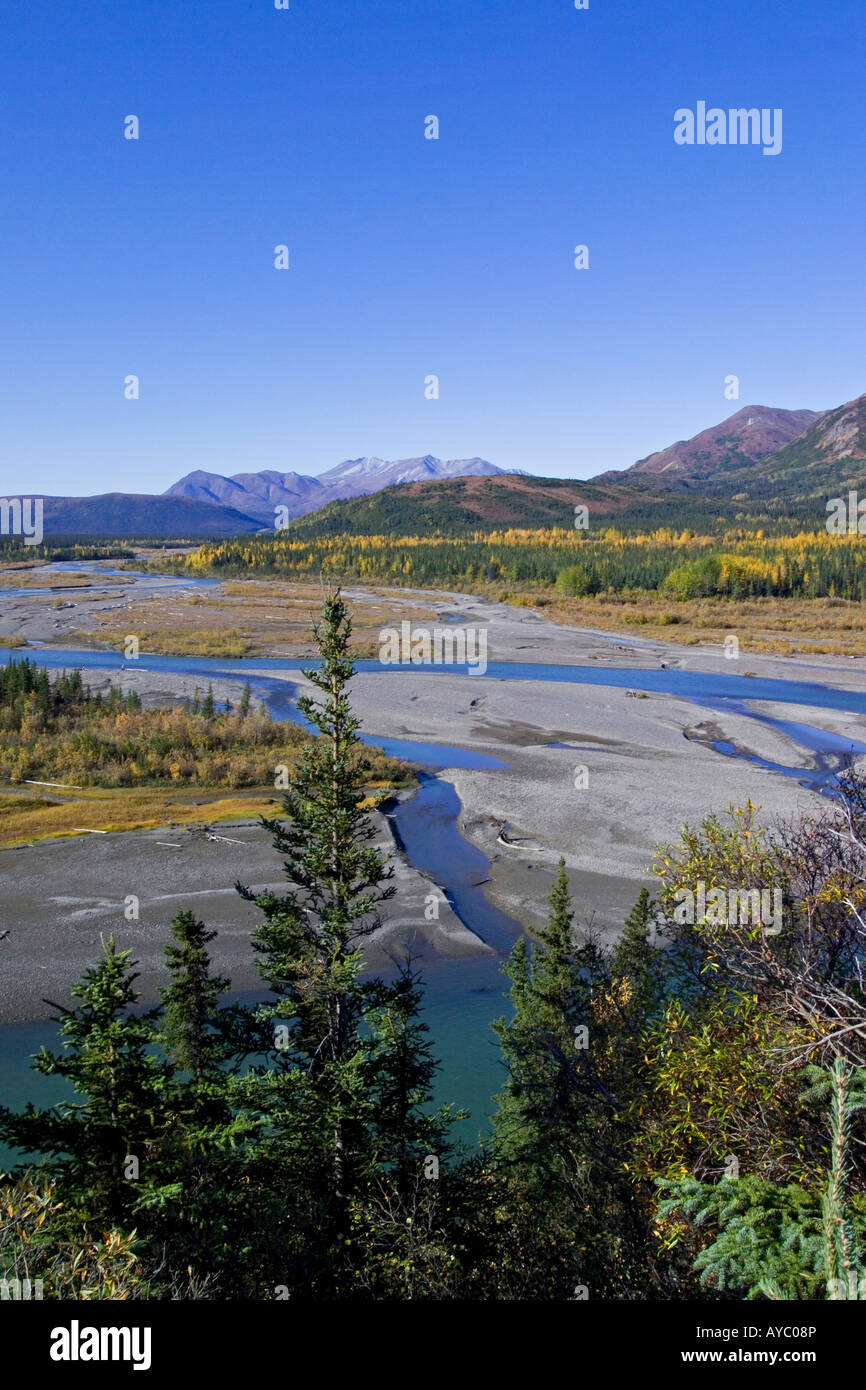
(459, 1006)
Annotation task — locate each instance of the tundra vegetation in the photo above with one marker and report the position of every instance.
(681, 1116)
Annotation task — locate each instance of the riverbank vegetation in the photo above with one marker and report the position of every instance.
(14, 552)
(122, 766)
(249, 618)
(28, 577)
(57, 730)
(159, 630)
(780, 627)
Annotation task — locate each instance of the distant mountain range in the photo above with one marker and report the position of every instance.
(207, 504)
(258, 494)
(760, 464)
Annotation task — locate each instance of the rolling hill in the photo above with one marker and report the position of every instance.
(752, 434)
(131, 514)
(458, 506)
(823, 462)
(462, 506)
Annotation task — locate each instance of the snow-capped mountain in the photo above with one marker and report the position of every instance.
(257, 494)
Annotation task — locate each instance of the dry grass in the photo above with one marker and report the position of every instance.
(27, 818)
(249, 618)
(44, 813)
(58, 580)
(167, 640)
(24, 819)
(781, 627)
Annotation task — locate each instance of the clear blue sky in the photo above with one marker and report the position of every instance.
(408, 256)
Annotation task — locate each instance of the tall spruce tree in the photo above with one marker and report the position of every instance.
(401, 1070)
(202, 1204)
(635, 959)
(317, 1087)
(559, 1137)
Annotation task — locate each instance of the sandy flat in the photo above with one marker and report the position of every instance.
(634, 771)
(62, 896)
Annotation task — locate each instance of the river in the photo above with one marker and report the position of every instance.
(462, 996)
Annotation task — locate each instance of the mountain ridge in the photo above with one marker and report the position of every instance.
(762, 465)
(822, 462)
(258, 494)
(750, 435)
(140, 514)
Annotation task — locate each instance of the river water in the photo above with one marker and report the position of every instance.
(461, 996)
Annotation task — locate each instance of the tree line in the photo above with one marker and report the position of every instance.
(669, 564)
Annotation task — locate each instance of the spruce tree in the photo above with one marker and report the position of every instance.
(636, 960)
(317, 1089)
(534, 1124)
(202, 1203)
(97, 1146)
(554, 961)
(559, 1140)
(515, 1133)
(400, 1069)
(190, 1001)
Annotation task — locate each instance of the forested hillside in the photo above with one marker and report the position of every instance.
(465, 506)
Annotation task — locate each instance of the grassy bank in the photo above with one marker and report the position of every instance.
(117, 766)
